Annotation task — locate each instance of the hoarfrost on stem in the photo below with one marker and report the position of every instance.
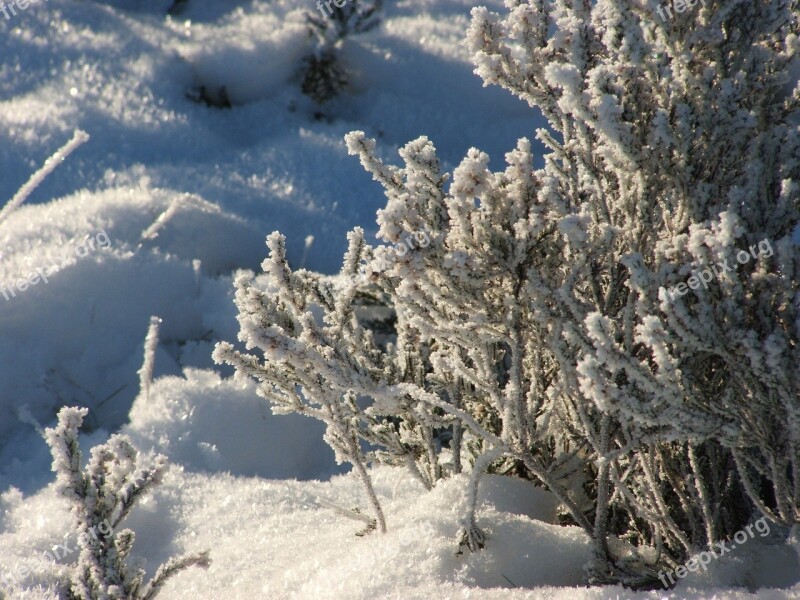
(100, 497)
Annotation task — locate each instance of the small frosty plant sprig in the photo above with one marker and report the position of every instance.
(100, 496)
(325, 76)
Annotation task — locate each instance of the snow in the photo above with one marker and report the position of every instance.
(280, 539)
(210, 424)
(185, 195)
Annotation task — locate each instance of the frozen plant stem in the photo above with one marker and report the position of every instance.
(78, 138)
(366, 481)
(150, 347)
(472, 537)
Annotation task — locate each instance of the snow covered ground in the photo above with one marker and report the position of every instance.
(154, 214)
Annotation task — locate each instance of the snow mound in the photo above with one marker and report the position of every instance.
(251, 55)
(205, 423)
(79, 280)
(280, 539)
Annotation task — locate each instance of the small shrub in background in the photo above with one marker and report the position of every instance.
(325, 76)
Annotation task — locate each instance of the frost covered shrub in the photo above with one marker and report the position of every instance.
(100, 497)
(674, 150)
(325, 76)
(318, 360)
(535, 335)
(468, 300)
